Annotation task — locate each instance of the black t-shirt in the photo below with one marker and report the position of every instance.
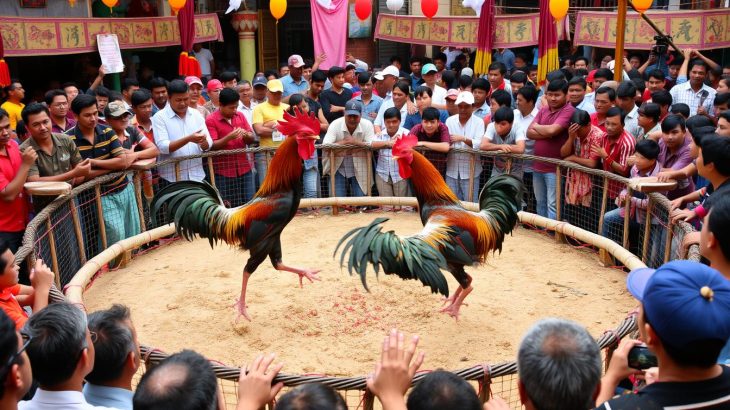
(707, 394)
(329, 98)
(723, 189)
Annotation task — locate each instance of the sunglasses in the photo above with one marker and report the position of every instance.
(11, 360)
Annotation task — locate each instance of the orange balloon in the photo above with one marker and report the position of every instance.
(110, 3)
(278, 8)
(642, 5)
(558, 8)
(176, 5)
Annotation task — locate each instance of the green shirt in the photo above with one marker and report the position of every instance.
(63, 157)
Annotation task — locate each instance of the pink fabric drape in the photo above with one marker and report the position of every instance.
(329, 29)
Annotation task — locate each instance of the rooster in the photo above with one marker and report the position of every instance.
(198, 209)
(452, 237)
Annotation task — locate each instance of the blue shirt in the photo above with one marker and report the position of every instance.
(416, 81)
(506, 57)
(292, 87)
(370, 110)
(414, 119)
(114, 397)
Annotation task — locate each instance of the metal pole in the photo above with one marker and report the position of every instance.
(620, 38)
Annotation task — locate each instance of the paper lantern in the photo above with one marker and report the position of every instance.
(559, 9)
(176, 5)
(394, 5)
(430, 7)
(278, 9)
(363, 8)
(642, 5)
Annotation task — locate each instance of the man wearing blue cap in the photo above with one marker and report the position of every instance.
(685, 321)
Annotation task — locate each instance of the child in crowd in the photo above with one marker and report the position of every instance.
(13, 296)
(387, 176)
(502, 136)
(434, 135)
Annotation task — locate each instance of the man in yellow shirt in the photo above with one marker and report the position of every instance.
(13, 105)
(265, 117)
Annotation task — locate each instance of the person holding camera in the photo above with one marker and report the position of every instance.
(684, 320)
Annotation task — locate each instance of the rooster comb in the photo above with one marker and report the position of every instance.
(300, 123)
(405, 143)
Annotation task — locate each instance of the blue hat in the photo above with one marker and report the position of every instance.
(353, 107)
(429, 68)
(684, 301)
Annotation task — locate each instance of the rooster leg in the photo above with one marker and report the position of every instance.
(450, 300)
(453, 309)
(240, 304)
(309, 274)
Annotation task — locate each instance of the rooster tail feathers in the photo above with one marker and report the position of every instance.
(501, 200)
(408, 258)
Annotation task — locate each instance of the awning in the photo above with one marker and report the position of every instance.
(24, 36)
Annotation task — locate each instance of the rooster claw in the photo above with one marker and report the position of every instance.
(310, 275)
(241, 311)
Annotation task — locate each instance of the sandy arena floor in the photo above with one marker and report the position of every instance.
(181, 297)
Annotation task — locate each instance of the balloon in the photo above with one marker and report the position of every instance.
(278, 8)
(394, 5)
(558, 8)
(176, 5)
(430, 7)
(642, 5)
(110, 3)
(363, 8)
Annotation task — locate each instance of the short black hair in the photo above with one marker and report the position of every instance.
(608, 91)
(8, 340)
(718, 224)
(656, 73)
(114, 342)
(422, 89)
(673, 121)
(725, 115)
(51, 94)
(519, 77)
(481, 84)
(129, 82)
(502, 98)
(555, 75)
(268, 73)
(697, 121)
(430, 114)
(228, 96)
(395, 59)
(504, 114)
(716, 150)
(115, 96)
(615, 111)
(196, 391)
(651, 110)
(603, 73)
(640, 84)
(440, 56)
(661, 97)
(558, 85)
(335, 70)
(415, 59)
(177, 87)
(529, 93)
(100, 91)
(393, 112)
(311, 396)
(363, 78)
(158, 82)
(4, 114)
(319, 76)
(294, 101)
(626, 89)
(580, 117)
(37, 108)
(497, 65)
(696, 62)
(81, 102)
(449, 78)
(227, 76)
(648, 149)
(141, 96)
(465, 81)
(579, 81)
(69, 84)
(581, 58)
(721, 98)
(443, 390)
(680, 109)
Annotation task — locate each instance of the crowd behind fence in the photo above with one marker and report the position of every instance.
(72, 229)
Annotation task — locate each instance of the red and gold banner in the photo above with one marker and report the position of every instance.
(510, 30)
(702, 30)
(24, 36)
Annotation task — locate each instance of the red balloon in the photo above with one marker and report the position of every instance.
(363, 8)
(429, 7)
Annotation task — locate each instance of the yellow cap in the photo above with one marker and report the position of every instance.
(275, 86)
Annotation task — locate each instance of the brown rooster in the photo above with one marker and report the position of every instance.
(198, 209)
(452, 237)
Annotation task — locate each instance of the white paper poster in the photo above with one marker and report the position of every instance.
(109, 52)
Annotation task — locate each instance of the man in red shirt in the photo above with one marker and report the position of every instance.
(605, 98)
(229, 130)
(14, 168)
(618, 145)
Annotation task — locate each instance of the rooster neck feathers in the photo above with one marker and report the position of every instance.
(429, 184)
(284, 171)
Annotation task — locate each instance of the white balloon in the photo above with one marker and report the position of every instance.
(394, 5)
(475, 5)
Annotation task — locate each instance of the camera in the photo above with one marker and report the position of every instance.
(641, 358)
(661, 45)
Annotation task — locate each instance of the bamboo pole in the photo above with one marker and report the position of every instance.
(620, 38)
(627, 217)
(370, 172)
(333, 194)
(177, 171)
(138, 196)
(54, 255)
(647, 231)
(670, 236)
(560, 238)
(472, 168)
(211, 172)
(77, 230)
(100, 214)
(604, 204)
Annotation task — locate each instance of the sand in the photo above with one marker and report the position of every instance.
(181, 296)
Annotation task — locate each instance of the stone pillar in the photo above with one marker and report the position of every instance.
(246, 23)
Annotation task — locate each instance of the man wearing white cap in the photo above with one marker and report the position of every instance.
(390, 76)
(466, 132)
(293, 82)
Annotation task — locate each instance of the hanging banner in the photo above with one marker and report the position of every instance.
(24, 36)
(518, 30)
(701, 30)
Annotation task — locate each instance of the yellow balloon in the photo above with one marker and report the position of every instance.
(642, 5)
(558, 8)
(278, 8)
(110, 3)
(177, 4)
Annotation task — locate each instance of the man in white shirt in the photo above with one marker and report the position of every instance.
(351, 166)
(61, 352)
(428, 73)
(695, 93)
(387, 178)
(526, 111)
(625, 94)
(206, 61)
(247, 104)
(466, 132)
(180, 131)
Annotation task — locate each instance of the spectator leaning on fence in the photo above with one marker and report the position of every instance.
(502, 135)
(684, 319)
(559, 367)
(15, 374)
(387, 176)
(467, 131)
(433, 135)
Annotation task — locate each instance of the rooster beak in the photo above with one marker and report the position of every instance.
(396, 157)
(313, 137)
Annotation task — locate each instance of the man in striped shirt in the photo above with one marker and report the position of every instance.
(617, 147)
